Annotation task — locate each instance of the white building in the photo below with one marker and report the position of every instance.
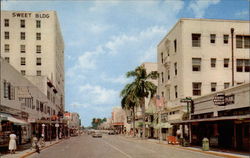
(195, 58)
(33, 44)
(21, 103)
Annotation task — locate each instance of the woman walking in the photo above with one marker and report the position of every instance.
(12, 143)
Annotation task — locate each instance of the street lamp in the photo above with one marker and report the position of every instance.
(43, 126)
(56, 125)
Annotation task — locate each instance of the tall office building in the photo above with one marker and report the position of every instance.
(195, 59)
(33, 44)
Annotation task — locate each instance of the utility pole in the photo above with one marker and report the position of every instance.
(232, 35)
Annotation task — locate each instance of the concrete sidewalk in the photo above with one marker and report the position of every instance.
(27, 152)
(217, 152)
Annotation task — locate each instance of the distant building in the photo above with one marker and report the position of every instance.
(33, 44)
(118, 119)
(73, 122)
(195, 59)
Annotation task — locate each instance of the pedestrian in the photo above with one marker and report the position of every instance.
(35, 144)
(12, 143)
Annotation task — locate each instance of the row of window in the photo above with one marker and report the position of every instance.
(22, 23)
(242, 41)
(38, 72)
(40, 106)
(23, 60)
(22, 48)
(197, 87)
(242, 65)
(22, 35)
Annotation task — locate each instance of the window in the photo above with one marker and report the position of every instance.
(168, 75)
(226, 63)
(212, 38)
(5, 89)
(38, 49)
(239, 65)
(38, 72)
(161, 57)
(7, 59)
(41, 106)
(175, 68)
(6, 22)
(162, 94)
(23, 61)
(6, 48)
(23, 72)
(176, 91)
(225, 37)
(162, 77)
(6, 35)
(38, 61)
(226, 85)
(38, 36)
(247, 65)
(246, 41)
(22, 35)
(213, 62)
(22, 48)
(196, 40)
(22, 23)
(175, 45)
(38, 23)
(196, 64)
(37, 105)
(213, 86)
(239, 41)
(196, 88)
(242, 41)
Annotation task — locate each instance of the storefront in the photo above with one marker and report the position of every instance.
(9, 123)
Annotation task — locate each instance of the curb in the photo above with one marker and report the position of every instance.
(30, 153)
(194, 150)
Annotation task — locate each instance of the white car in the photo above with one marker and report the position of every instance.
(97, 134)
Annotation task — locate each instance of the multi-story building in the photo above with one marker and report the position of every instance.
(195, 58)
(118, 119)
(33, 44)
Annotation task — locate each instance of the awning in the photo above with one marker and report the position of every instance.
(163, 125)
(10, 118)
(215, 119)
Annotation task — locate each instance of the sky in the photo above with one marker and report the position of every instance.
(104, 39)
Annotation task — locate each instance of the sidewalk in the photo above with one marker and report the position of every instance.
(217, 152)
(26, 152)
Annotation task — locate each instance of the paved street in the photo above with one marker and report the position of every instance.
(111, 146)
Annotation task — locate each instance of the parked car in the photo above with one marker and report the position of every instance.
(97, 134)
(111, 132)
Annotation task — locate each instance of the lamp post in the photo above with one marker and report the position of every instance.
(56, 125)
(43, 126)
(232, 35)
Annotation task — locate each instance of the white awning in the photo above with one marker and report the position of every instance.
(10, 118)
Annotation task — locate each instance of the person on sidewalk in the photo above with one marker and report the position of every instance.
(35, 144)
(12, 143)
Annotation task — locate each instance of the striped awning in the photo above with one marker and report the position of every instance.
(10, 118)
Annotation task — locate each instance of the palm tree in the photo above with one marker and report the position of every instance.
(139, 89)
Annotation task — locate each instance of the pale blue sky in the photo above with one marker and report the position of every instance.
(105, 39)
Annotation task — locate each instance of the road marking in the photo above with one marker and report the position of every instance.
(117, 149)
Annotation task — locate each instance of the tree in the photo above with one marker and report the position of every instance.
(139, 89)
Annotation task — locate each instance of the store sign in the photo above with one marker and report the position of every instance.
(222, 100)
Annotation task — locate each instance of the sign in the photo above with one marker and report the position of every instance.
(29, 15)
(186, 100)
(223, 100)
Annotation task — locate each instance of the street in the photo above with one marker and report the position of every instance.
(113, 146)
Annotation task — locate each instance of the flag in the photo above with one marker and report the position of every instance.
(159, 101)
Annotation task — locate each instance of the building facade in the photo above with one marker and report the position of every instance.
(33, 44)
(195, 58)
(223, 117)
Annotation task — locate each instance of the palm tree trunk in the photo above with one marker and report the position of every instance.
(133, 111)
(143, 117)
